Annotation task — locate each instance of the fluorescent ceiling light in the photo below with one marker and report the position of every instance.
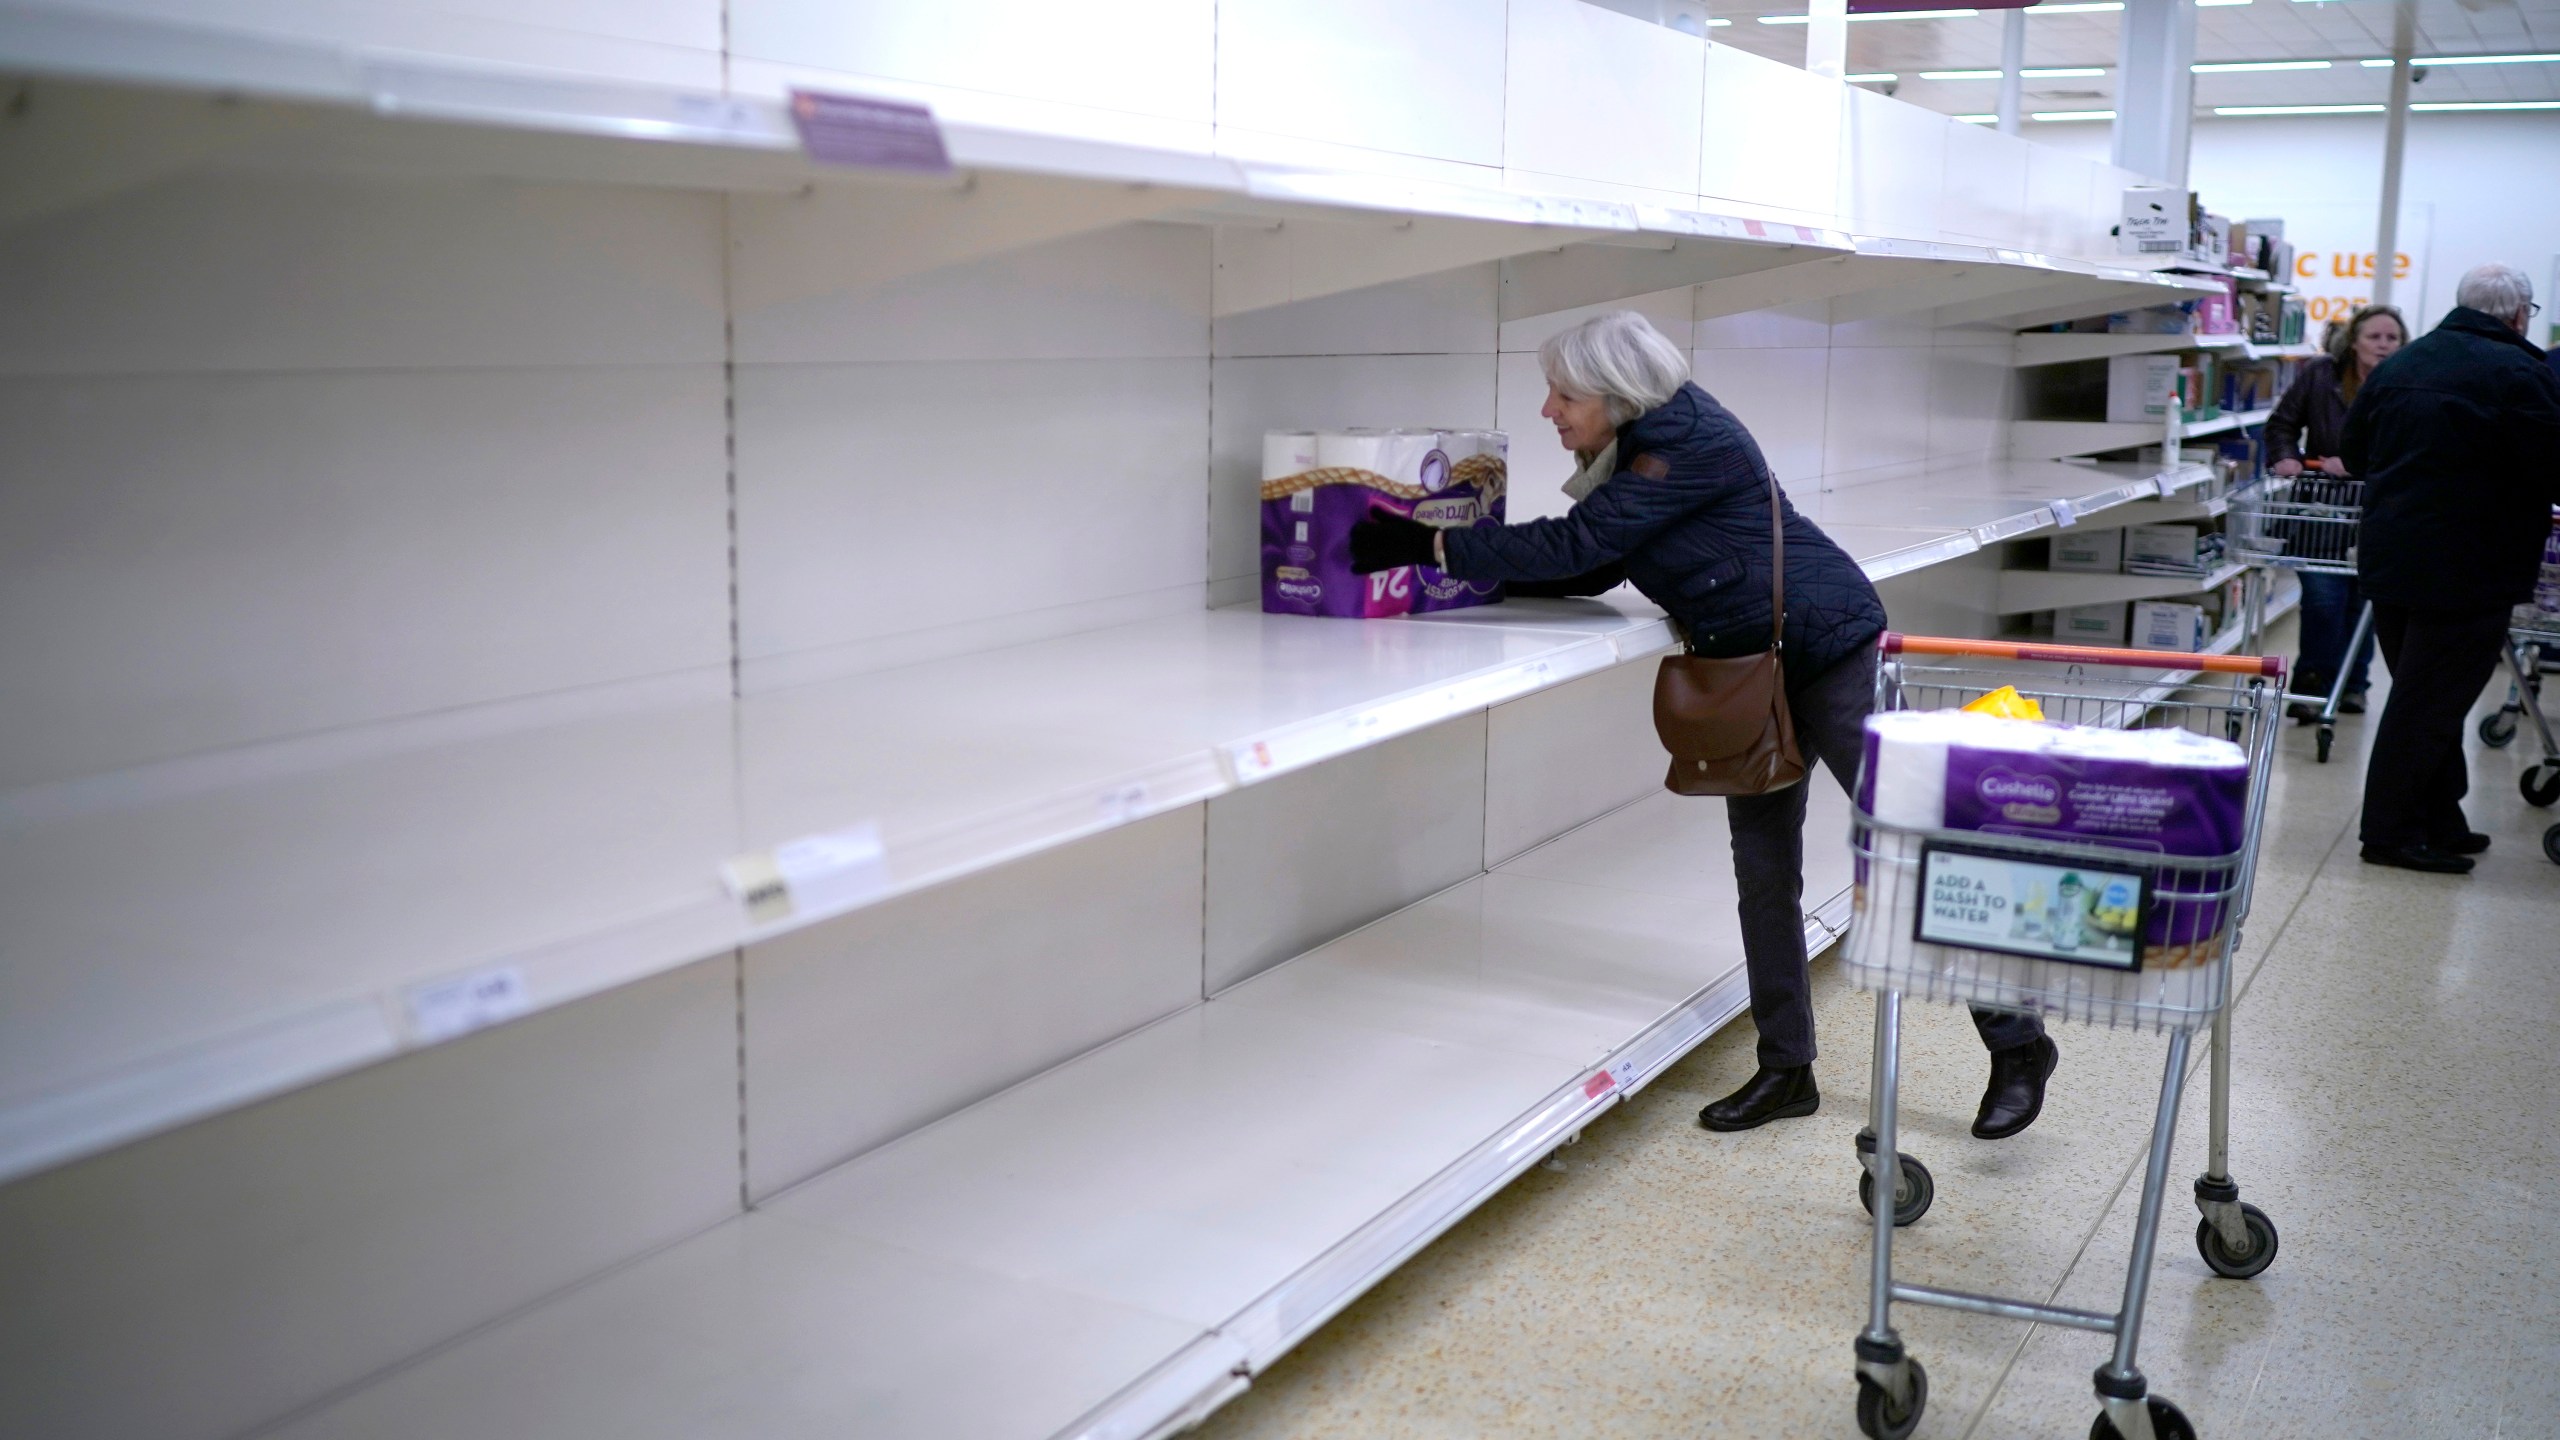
(1886, 79)
(1881, 15)
(2048, 74)
(1719, 20)
(2297, 109)
(2079, 7)
(1977, 119)
(2052, 115)
(2236, 67)
(2431, 61)
(2436, 106)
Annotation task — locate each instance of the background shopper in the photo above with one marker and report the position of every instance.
(2304, 435)
(1672, 493)
(2458, 441)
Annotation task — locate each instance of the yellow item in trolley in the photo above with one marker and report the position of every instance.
(2008, 704)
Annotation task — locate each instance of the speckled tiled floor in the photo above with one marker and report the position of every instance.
(2397, 1110)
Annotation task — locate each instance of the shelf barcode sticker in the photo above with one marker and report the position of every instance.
(1122, 803)
(2064, 517)
(459, 1004)
(838, 868)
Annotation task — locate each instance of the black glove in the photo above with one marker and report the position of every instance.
(1598, 582)
(1387, 540)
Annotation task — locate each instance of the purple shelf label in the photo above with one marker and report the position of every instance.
(873, 134)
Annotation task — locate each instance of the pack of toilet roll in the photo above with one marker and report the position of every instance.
(1317, 484)
(2089, 943)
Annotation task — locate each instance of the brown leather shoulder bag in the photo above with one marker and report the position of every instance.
(1725, 722)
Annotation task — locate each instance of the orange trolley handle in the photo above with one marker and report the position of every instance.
(1894, 643)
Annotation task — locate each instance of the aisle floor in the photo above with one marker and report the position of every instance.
(2393, 1111)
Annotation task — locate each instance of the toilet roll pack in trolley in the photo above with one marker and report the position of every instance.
(1316, 485)
(2069, 832)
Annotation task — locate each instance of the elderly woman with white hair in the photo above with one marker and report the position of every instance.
(1672, 494)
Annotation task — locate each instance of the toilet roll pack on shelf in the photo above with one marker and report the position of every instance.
(1317, 484)
(2112, 851)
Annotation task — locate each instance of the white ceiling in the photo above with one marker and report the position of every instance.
(2339, 31)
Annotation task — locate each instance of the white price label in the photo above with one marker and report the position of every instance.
(1122, 803)
(459, 1004)
(2064, 517)
(815, 872)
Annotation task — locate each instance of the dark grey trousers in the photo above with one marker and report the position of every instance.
(1768, 866)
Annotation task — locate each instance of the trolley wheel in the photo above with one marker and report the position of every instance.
(2541, 784)
(2498, 729)
(2327, 737)
(1913, 1190)
(1875, 1410)
(2168, 1422)
(2239, 1266)
(2551, 844)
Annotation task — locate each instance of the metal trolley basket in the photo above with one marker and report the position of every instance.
(2308, 524)
(2533, 642)
(2184, 987)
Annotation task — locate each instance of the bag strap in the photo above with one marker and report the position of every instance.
(1777, 571)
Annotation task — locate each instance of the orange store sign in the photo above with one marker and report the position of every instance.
(2335, 283)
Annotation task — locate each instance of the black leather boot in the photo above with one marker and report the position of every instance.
(1766, 1096)
(2015, 1096)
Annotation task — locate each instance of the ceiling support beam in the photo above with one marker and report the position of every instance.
(2155, 88)
(2395, 136)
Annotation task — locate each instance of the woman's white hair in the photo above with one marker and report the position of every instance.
(1618, 357)
(2494, 289)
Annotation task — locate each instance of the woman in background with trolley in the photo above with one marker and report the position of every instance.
(2303, 438)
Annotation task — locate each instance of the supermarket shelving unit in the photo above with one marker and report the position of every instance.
(556, 1020)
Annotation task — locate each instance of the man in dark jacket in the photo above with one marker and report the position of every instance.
(2458, 440)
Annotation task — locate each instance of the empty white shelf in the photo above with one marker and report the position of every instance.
(2023, 590)
(1988, 501)
(170, 955)
(1182, 1205)
(344, 108)
(2061, 349)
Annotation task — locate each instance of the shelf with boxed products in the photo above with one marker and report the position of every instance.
(1172, 1211)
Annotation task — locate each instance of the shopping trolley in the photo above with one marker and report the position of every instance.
(2305, 523)
(2173, 987)
(2532, 637)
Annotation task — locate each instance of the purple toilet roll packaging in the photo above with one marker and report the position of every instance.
(1316, 485)
(2148, 792)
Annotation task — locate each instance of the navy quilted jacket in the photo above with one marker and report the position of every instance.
(1688, 514)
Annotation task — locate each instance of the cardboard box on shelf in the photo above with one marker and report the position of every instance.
(2089, 549)
(2155, 220)
(2167, 625)
(2212, 242)
(2140, 387)
(2178, 319)
(2090, 624)
(2171, 546)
